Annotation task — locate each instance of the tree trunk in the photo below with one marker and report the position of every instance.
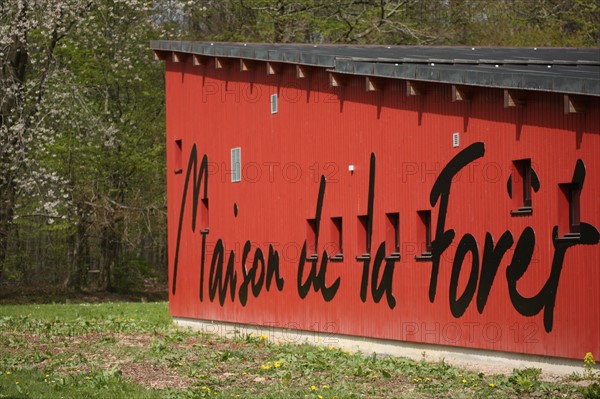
(78, 257)
(110, 247)
(7, 196)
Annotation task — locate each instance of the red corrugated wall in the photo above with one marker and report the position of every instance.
(320, 131)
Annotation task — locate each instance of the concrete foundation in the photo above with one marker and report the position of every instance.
(476, 359)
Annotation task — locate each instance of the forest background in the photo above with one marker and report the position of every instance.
(82, 110)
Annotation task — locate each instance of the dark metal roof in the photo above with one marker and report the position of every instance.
(563, 70)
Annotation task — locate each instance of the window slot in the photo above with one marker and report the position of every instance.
(569, 217)
(522, 184)
(574, 215)
(178, 157)
(362, 234)
(204, 216)
(311, 238)
(335, 247)
(392, 234)
(424, 234)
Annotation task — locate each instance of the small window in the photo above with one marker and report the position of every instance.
(236, 165)
(274, 105)
(311, 237)
(526, 176)
(178, 156)
(569, 210)
(364, 246)
(522, 178)
(392, 234)
(335, 249)
(574, 217)
(424, 233)
(204, 216)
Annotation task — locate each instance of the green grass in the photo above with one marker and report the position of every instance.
(132, 350)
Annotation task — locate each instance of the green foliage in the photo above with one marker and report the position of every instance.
(130, 273)
(475, 22)
(592, 391)
(108, 350)
(525, 380)
(588, 363)
(32, 383)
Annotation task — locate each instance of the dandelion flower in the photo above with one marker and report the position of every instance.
(492, 385)
(464, 381)
(312, 387)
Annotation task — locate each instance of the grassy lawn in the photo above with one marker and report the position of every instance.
(131, 350)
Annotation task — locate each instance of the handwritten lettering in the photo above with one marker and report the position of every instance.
(378, 272)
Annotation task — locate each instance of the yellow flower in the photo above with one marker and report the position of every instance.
(492, 385)
(464, 381)
(589, 358)
(265, 367)
(312, 387)
(325, 386)
(264, 336)
(8, 373)
(427, 379)
(277, 364)
(320, 396)
(17, 382)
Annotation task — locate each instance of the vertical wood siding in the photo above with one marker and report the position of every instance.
(320, 131)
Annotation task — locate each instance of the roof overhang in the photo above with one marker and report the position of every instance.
(561, 70)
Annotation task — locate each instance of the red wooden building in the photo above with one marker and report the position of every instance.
(437, 195)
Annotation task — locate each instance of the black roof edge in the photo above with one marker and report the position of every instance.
(558, 70)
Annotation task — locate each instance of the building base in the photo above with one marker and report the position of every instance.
(476, 359)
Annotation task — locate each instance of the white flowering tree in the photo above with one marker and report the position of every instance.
(81, 134)
(30, 32)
